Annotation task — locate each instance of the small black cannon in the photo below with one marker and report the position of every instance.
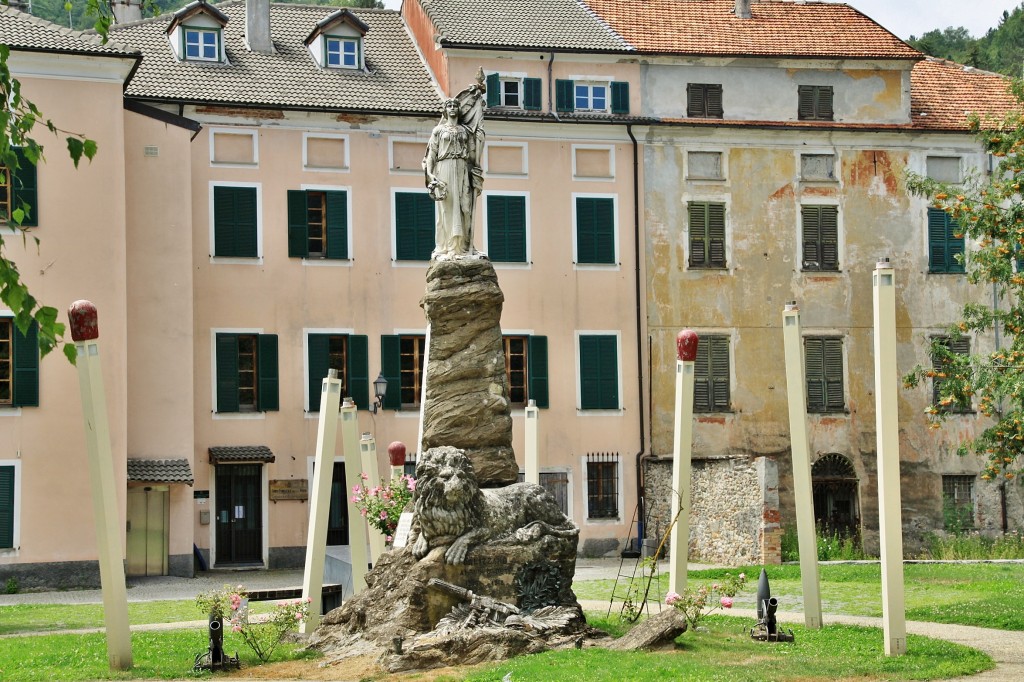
(767, 629)
(214, 658)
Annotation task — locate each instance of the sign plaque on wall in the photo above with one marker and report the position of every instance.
(289, 489)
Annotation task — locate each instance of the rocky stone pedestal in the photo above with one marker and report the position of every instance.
(399, 611)
(467, 397)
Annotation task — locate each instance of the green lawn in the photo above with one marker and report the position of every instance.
(985, 595)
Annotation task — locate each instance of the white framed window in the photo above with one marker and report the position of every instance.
(595, 230)
(599, 372)
(325, 152)
(405, 155)
(341, 53)
(201, 44)
(590, 96)
(234, 148)
(236, 222)
(944, 169)
(705, 165)
(604, 489)
(506, 159)
(821, 236)
(593, 162)
(507, 234)
(324, 348)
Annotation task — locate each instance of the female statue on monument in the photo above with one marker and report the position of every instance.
(454, 176)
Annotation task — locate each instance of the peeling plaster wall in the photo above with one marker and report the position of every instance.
(763, 192)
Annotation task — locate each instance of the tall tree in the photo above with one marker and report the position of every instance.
(988, 211)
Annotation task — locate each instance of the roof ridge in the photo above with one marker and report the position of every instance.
(966, 68)
(88, 37)
(589, 10)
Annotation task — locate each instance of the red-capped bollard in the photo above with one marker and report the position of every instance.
(396, 453)
(84, 321)
(686, 345)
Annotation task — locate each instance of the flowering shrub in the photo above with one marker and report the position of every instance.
(697, 603)
(263, 636)
(383, 504)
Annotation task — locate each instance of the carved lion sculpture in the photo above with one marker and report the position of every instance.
(451, 508)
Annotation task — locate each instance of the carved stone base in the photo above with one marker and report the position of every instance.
(397, 604)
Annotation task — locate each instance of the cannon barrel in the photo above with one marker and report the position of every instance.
(216, 630)
(764, 593)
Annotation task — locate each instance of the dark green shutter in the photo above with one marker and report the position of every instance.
(391, 368)
(227, 372)
(695, 100)
(565, 95)
(620, 97)
(266, 357)
(337, 225)
(234, 222)
(506, 229)
(714, 101)
(24, 188)
(824, 374)
(537, 369)
(532, 94)
(823, 102)
(595, 230)
(599, 373)
(810, 217)
(814, 374)
(319, 358)
(707, 234)
(943, 244)
(6, 507)
(414, 226)
(711, 375)
(829, 238)
(26, 366)
(493, 90)
(834, 394)
(805, 103)
(358, 371)
(298, 224)
(716, 235)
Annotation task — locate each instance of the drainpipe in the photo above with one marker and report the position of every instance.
(641, 455)
(551, 86)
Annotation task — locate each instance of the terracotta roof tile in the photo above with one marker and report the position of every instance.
(538, 24)
(943, 93)
(776, 28)
(21, 30)
(159, 471)
(240, 453)
(395, 78)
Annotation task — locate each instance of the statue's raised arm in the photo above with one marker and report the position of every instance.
(453, 172)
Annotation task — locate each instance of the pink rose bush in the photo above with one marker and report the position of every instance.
(383, 504)
(694, 603)
(262, 634)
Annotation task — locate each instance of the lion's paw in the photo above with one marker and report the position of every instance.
(421, 547)
(456, 554)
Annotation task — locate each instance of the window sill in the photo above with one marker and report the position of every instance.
(593, 178)
(327, 262)
(10, 411)
(828, 413)
(604, 521)
(707, 268)
(326, 169)
(236, 260)
(499, 265)
(816, 273)
(239, 416)
(618, 412)
(598, 267)
(819, 181)
(10, 552)
(395, 263)
(706, 181)
(946, 272)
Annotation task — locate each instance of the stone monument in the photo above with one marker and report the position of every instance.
(488, 571)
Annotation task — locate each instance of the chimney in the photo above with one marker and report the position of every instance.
(257, 26)
(21, 5)
(126, 11)
(743, 9)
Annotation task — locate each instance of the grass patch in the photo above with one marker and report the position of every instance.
(155, 655)
(975, 546)
(983, 595)
(727, 654)
(18, 618)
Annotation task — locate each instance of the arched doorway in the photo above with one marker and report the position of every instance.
(836, 495)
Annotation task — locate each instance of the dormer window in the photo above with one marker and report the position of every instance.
(591, 96)
(341, 53)
(201, 44)
(513, 91)
(337, 41)
(196, 33)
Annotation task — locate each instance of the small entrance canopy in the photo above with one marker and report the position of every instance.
(159, 471)
(240, 453)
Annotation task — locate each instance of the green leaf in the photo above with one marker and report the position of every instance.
(75, 149)
(89, 149)
(70, 353)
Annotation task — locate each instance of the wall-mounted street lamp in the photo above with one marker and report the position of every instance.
(380, 387)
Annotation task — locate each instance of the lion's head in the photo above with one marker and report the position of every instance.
(448, 497)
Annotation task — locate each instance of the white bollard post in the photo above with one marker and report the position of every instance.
(894, 617)
(368, 456)
(357, 539)
(532, 450)
(320, 499)
(396, 454)
(85, 333)
(806, 534)
(682, 447)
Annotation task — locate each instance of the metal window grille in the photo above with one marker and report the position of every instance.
(958, 501)
(603, 485)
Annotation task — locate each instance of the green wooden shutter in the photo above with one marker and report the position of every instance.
(713, 100)
(599, 373)
(716, 235)
(697, 212)
(493, 90)
(960, 346)
(234, 222)
(391, 368)
(26, 366)
(620, 97)
(227, 372)
(695, 100)
(298, 224)
(829, 238)
(943, 244)
(532, 94)
(266, 357)
(24, 188)
(6, 507)
(702, 377)
(805, 102)
(506, 229)
(814, 374)
(811, 233)
(537, 369)
(823, 102)
(719, 348)
(337, 225)
(565, 95)
(358, 370)
(318, 358)
(834, 394)
(595, 230)
(414, 226)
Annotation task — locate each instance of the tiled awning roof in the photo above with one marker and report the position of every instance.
(240, 453)
(159, 471)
